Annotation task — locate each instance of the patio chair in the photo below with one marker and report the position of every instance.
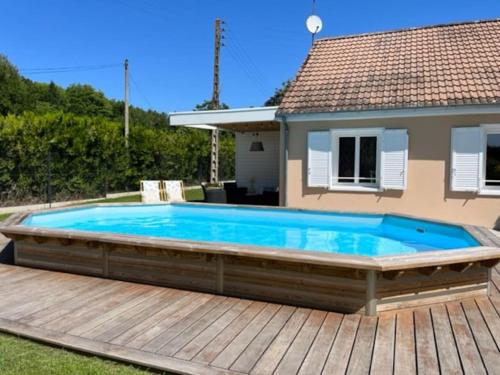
(174, 191)
(151, 191)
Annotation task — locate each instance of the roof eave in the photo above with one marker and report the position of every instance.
(391, 113)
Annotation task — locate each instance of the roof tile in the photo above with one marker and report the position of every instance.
(443, 65)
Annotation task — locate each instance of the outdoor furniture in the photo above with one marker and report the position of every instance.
(270, 198)
(151, 191)
(174, 191)
(235, 194)
(214, 195)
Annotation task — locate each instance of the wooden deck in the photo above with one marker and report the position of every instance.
(198, 333)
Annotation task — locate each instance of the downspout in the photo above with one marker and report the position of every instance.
(285, 158)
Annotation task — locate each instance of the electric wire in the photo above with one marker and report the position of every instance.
(68, 69)
(141, 93)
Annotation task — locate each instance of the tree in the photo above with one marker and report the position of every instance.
(13, 89)
(84, 100)
(208, 105)
(278, 95)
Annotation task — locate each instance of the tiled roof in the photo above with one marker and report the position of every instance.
(445, 65)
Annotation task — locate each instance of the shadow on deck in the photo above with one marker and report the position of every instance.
(193, 333)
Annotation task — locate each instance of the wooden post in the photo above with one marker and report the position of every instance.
(371, 293)
(126, 98)
(214, 143)
(219, 281)
(105, 259)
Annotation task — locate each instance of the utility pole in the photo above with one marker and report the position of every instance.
(126, 103)
(214, 159)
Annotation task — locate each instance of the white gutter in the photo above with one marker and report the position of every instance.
(396, 113)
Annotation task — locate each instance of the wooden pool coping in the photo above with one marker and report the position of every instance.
(488, 253)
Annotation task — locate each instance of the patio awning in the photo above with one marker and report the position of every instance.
(239, 119)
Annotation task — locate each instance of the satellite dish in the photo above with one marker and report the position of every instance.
(314, 24)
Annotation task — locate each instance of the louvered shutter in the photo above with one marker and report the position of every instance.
(318, 156)
(465, 159)
(394, 163)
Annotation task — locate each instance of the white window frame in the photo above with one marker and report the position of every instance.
(483, 188)
(335, 134)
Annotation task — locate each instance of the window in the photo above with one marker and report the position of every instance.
(367, 160)
(491, 159)
(355, 159)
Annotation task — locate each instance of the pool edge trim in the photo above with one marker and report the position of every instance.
(489, 245)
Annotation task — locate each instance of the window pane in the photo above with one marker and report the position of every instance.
(368, 160)
(347, 148)
(493, 160)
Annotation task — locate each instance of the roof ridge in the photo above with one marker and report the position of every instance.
(372, 33)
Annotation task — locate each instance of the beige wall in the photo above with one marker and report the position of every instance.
(427, 194)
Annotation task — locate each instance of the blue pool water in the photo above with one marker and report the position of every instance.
(370, 235)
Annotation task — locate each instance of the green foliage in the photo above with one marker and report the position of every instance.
(208, 105)
(13, 88)
(85, 101)
(88, 157)
(76, 134)
(85, 154)
(18, 94)
(278, 95)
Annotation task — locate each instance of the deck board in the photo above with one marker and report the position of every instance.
(318, 353)
(292, 361)
(198, 333)
(469, 353)
(405, 359)
(383, 351)
(339, 357)
(258, 346)
(425, 343)
(449, 360)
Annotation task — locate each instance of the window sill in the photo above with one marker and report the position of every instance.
(493, 192)
(363, 189)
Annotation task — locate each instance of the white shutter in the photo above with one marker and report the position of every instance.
(318, 156)
(394, 165)
(465, 159)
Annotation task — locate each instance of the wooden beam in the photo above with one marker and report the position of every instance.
(461, 267)
(92, 244)
(39, 239)
(429, 271)
(65, 241)
(393, 275)
(490, 263)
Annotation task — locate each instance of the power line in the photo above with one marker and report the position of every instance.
(248, 60)
(245, 70)
(246, 64)
(68, 69)
(136, 85)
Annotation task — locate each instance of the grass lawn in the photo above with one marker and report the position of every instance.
(4, 216)
(195, 194)
(19, 356)
(127, 199)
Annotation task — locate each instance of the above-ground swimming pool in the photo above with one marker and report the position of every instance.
(355, 234)
(337, 261)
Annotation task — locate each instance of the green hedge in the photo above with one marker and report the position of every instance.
(88, 157)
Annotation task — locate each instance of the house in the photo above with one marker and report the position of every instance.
(404, 121)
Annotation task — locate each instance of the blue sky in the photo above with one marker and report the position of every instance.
(170, 43)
